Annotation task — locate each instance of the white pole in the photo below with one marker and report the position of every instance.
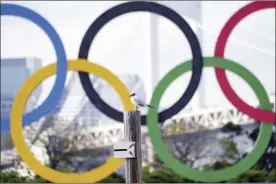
(152, 58)
(199, 97)
(152, 55)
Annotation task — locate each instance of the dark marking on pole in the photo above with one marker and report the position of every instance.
(120, 150)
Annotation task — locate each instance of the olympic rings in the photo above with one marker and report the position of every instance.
(17, 132)
(258, 114)
(55, 94)
(211, 176)
(86, 67)
(152, 7)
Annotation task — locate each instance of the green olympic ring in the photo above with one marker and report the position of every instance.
(209, 176)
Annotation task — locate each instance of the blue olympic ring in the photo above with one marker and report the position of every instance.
(56, 92)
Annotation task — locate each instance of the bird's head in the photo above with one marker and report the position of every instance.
(133, 94)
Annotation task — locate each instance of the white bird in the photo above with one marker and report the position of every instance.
(138, 102)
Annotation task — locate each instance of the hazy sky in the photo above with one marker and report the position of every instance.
(120, 46)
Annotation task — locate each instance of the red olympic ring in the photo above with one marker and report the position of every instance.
(256, 113)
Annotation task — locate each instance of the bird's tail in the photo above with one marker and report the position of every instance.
(150, 106)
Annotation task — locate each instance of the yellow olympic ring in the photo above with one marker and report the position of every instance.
(17, 131)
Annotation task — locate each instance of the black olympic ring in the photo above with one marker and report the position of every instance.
(152, 7)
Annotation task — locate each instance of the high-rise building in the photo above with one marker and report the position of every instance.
(14, 72)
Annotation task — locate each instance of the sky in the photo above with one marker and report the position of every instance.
(121, 45)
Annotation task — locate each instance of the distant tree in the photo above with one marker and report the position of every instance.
(192, 148)
(217, 165)
(163, 176)
(230, 154)
(231, 127)
(56, 142)
(59, 143)
(231, 151)
(255, 176)
(31, 133)
(12, 177)
(268, 160)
